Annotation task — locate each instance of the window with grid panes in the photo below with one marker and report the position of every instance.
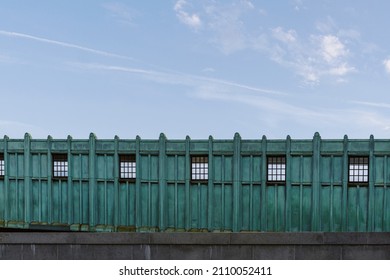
(358, 169)
(2, 166)
(199, 168)
(276, 169)
(60, 165)
(127, 167)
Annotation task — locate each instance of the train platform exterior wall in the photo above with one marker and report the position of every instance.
(193, 246)
(315, 196)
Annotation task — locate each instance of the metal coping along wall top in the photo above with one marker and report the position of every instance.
(195, 185)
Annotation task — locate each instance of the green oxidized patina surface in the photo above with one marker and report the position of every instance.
(315, 196)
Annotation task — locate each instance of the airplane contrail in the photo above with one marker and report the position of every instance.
(62, 44)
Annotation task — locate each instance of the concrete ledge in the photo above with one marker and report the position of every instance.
(280, 238)
(186, 238)
(159, 246)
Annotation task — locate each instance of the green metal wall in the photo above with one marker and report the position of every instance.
(316, 196)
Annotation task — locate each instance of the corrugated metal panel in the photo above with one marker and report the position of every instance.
(316, 195)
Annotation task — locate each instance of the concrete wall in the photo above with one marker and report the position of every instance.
(71, 245)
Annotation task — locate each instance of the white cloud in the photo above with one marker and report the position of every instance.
(284, 36)
(318, 55)
(309, 74)
(386, 63)
(222, 22)
(332, 48)
(341, 70)
(192, 20)
(314, 58)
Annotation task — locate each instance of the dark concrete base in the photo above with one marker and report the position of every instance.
(206, 246)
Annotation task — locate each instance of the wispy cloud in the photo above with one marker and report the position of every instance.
(289, 36)
(386, 63)
(326, 26)
(120, 12)
(298, 5)
(173, 77)
(226, 25)
(192, 20)
(167, 76)
(331, 48)
(221, 21)
(208, 70)
(313, 58)
(62, 44)
(372, 104)
(276, 112)
(17, 129)
(341, 70)
(274, 107)
(242, 86)
(266, 103)
(370, 121)
(6, 59)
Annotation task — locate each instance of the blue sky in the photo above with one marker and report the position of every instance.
(197, 68)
